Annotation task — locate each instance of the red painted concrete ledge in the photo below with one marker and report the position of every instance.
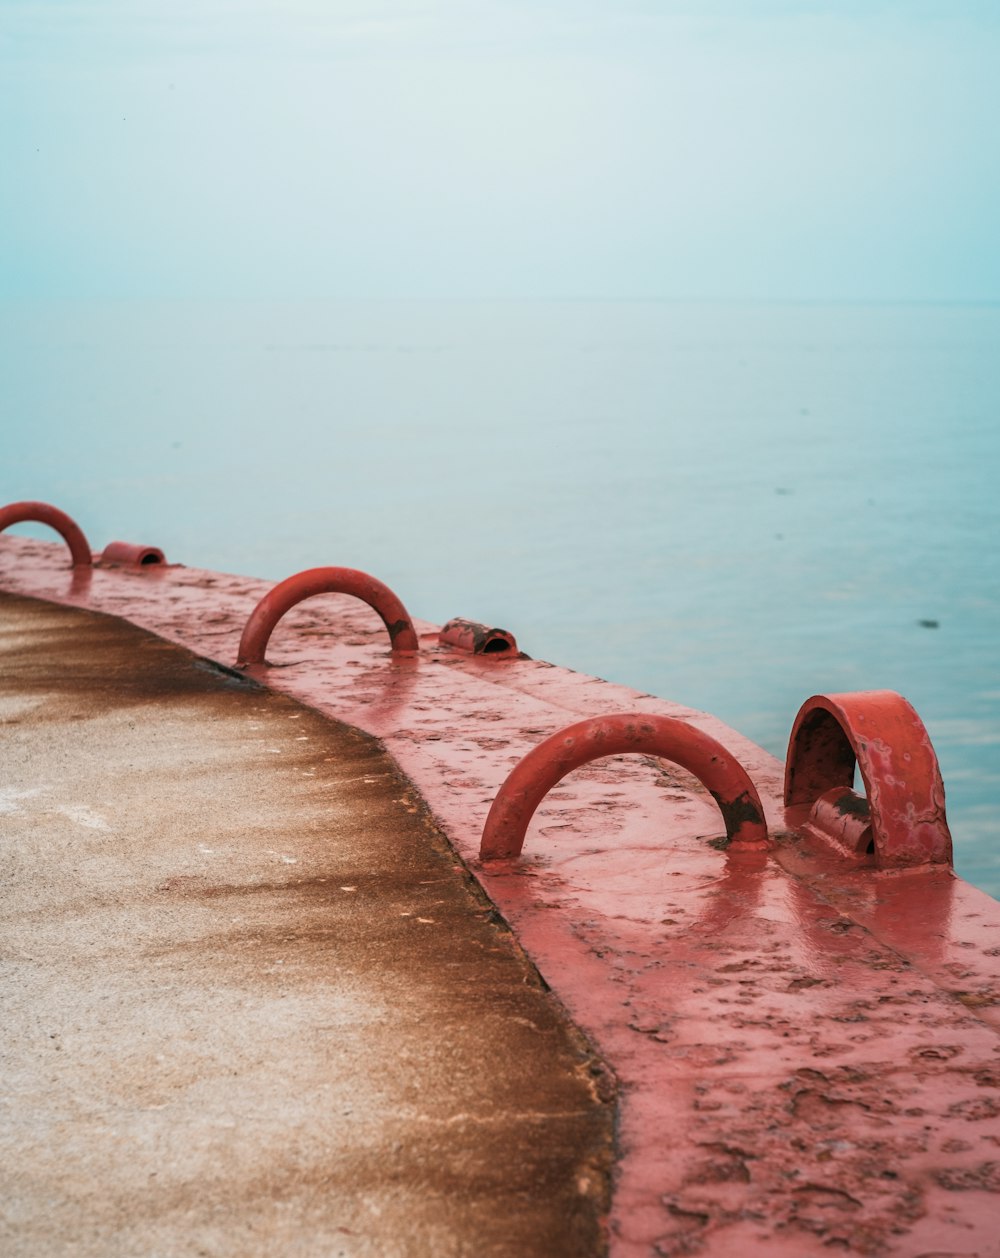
(805, 1035)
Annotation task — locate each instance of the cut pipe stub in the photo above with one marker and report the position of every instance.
(477, 639)
(129, 555)
(844, 816)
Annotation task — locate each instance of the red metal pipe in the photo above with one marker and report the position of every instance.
(64, 525)
(881, 733)
(314, 581)
(468, 635)
(129, 555)
(600, 736)
(845, 817)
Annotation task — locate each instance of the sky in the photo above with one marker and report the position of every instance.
(721, 149)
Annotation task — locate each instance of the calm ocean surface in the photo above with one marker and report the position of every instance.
(731, 506)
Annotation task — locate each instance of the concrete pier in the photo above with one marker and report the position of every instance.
(801, 1044)
(252, 1003)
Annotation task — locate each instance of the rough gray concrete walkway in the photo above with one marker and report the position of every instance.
(251, 1005)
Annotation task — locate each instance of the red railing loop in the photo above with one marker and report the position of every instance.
(902, 822)
(64, 525)
(477, 639)
(599, 736)
(129, 555)
(303, 585)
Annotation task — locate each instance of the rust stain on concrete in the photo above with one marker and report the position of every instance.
(253, 1003)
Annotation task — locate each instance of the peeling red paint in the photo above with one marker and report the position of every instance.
(881, 732)
(807, 1048)
(469, 635)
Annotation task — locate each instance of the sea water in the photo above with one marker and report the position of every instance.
(731, 506)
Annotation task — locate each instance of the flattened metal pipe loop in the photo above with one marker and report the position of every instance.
(600, 736)
(64, 525)
(477, 639)
(312, 581)
(880, 732)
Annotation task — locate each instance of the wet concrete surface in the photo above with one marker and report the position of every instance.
(252, 1003)
(805, 1050)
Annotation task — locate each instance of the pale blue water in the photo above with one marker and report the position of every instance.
(733, 506)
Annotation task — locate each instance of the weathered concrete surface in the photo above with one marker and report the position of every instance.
(252, 1005)
(807, 1052)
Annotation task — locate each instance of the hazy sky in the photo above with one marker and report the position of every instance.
(516, 148)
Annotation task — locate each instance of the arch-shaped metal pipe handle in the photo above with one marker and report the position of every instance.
(307, 584)
(880, 732)
(45, 513)
(600, 736)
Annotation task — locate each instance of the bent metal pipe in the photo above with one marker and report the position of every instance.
(45, 513)
(600, 736)
(311, 582)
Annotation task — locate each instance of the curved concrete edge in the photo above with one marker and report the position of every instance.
(808, 1054)
(252, 1006)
